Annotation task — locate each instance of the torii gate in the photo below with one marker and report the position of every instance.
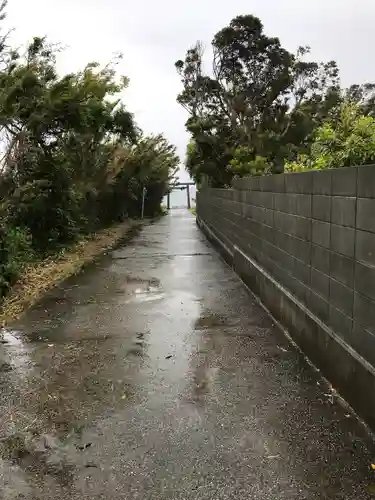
(181, 186)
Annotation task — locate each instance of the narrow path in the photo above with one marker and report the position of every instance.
(155, 375)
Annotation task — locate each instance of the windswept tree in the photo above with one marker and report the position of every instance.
(73, 158)
(151, 164)
(259, 102)
(57, 131)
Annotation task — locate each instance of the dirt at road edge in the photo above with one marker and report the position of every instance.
(41, 277)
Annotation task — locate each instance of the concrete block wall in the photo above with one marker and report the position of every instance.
(314, 233)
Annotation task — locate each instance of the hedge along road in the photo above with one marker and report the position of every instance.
(155, 375)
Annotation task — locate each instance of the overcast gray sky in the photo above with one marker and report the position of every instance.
(152, 35)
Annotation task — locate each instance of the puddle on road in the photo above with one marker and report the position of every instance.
(10, 338)
(140, 290)
(41, 456)
(15, 347)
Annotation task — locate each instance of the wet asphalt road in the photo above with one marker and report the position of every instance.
(155, 375)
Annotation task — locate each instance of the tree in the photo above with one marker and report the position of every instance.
(363, 96)
(260, 100)
(73, 160)
(348, 140)
(58, 131)
(150, 163)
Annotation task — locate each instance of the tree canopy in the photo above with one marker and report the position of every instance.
(260, 106)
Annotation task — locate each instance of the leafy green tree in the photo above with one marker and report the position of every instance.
(57, 131)
(259, 98)
(244, 164)
(149, 164)
(346, 141)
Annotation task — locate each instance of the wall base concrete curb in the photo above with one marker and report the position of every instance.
(351, 375)
(223, 249)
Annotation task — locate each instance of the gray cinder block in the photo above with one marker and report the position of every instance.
(364, 280)
(343, 211)
(321, 207)
(344, 181)
(342, 269)
(364, 311)
(321, 233)
(341, 297)
(365, 247)
(342, 240)
(322, 182)
(366, 214)
(320, 283)
(301, 183)
(366, 181)
(320, 258)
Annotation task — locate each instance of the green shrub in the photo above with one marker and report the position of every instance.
(345, 142)
(15, 252)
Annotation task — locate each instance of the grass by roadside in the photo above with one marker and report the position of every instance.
(39, 278)
(193, 211)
